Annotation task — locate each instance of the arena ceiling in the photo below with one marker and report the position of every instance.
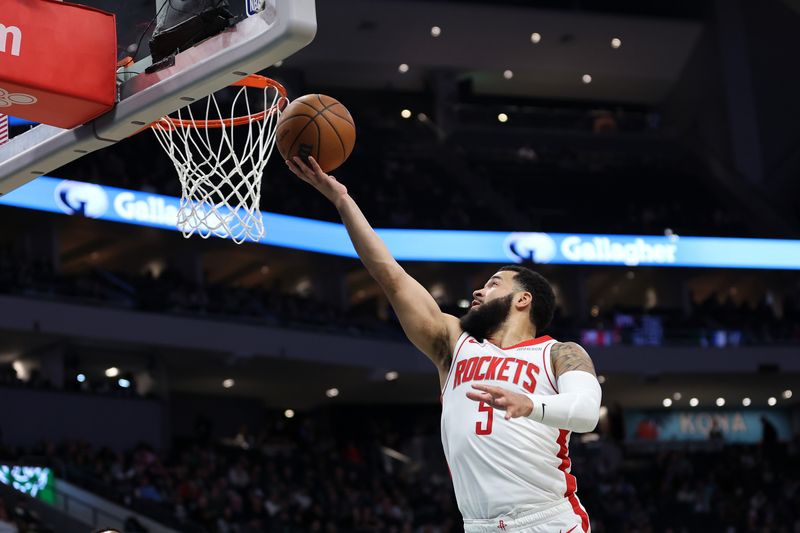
(362, 43)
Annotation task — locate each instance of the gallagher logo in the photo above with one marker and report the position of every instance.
(254, 6)
(85, 199)
(534, 247)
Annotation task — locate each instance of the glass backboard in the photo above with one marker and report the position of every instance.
(261, 33)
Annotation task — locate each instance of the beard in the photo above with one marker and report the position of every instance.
(485, 320)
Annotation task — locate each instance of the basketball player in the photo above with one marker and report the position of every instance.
(510, 399)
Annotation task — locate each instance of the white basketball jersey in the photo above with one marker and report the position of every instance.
(503, 467)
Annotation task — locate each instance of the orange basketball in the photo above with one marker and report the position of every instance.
(318, 126)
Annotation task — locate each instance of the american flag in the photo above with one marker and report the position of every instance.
(3, 128)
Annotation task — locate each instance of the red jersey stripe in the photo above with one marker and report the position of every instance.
(572, 486)
(530, 342)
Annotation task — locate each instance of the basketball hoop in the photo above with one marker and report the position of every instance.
(220, 181)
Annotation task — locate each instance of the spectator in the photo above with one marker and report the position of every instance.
(715, 432)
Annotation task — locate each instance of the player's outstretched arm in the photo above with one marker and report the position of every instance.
(576, 407)
(432, 331)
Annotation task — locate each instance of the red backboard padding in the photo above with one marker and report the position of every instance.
(57, 61)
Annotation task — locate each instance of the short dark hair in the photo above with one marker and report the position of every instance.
(544, 299)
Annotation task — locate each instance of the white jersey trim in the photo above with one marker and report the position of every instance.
(459, 343)
(547, 363)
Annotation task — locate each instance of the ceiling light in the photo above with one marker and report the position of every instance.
(405, 113)
(304, 287)
(694, 402)
(112, 372)
(392, 375)
(746, 402)
(603, 411)
(463, 304)
(586, 78)
(124, 383)
(666, 402)
(436, 31)
(771, 401)
(422, 117)
(616, 42)
(677, 396)
(601, 379)
(20, 370)
(403, 68)
(536, 37)
(278, 63)
(787, 394)
(288, 413)
(507, 74)
(332, 393)
(81, 378)
(228, 383)
(502, 117)
(720, 402)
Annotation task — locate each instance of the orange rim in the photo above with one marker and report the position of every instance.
(253, 81)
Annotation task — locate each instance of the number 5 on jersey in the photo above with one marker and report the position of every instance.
(480, 429)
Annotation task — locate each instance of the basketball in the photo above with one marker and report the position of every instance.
(318, 126)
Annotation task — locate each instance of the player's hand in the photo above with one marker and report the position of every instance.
(312, 174)
(513, 403)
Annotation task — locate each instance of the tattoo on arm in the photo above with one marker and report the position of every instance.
(568, 356)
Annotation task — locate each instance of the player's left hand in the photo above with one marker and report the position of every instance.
(513, 403)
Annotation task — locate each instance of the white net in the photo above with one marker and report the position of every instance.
(220, 163)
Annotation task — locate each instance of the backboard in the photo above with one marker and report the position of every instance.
(262, 33)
